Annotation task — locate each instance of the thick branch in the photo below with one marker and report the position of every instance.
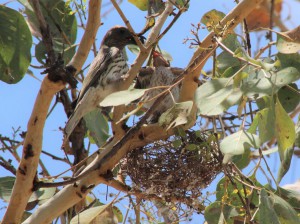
(31, 152)
(89, 35)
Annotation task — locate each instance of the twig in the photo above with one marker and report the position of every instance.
(269, 35)
(44, 169)
(247, 37)
(247, 209)
(268, 168)
(127, 23)
(7, 165)
(55, 157)
(222, 125)
(232, 53)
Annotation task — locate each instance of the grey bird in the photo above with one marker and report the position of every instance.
(105, 74)
(161, 75)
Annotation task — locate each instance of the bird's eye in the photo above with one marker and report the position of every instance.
(122, 31)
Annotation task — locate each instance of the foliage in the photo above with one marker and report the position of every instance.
(16, 43)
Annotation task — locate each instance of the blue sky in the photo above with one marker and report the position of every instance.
(17, 100)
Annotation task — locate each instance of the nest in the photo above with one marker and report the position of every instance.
(177, 168)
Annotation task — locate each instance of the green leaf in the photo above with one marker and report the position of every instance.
(226, 64)
(228, 72)
(212, 18)
(228, 193)
(101, 214)
(133, 48)
(284, 129)
(6, 185)
(242, 161)
(216, 96)
(241, 53)
(289, 97)
(289, 60)
(231, 42)
(291, 196)
(285, 77)
(254, 125)
(286, 46)
(176, 115)
(265, 101)
(285, 212)
(141, 4)
(285, 163)
(177, 143)
(57, 14)
(42, 194)
(297, 141)
(236, 144)
(191, 147)
(122, 97)
(66, 51)
(16, 41)
(266, 124)
(182, 3)
(98, 126)
(266, 209)
(269, 86)
(213, 212)
(225, 60)
(39, 197)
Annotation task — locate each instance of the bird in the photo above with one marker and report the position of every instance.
(161, 75)
(105, 74)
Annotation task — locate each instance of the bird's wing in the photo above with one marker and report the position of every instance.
(99, 66)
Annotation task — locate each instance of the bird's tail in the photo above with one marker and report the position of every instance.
(72, 123)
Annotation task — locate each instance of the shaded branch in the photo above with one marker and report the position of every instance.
(45, 32)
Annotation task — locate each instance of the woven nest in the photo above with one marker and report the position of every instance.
(179, 167)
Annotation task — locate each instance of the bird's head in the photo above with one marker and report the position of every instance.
(119, 37)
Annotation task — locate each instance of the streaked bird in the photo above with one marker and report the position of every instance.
(105, 74)
(161, 76)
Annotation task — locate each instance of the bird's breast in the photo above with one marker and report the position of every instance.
(115, 71)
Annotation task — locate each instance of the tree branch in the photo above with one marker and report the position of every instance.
(32, 146)
(44, 28)
(207, 47)
(88, 38)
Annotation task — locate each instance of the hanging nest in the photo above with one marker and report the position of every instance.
(177, 168)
